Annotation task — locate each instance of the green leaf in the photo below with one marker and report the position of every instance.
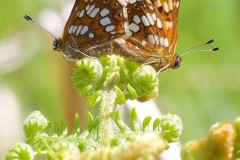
(146, 122)
(132, 92)
(121, 125)
(134, 120)
(156, 123)
(90, 122)
(76, 129)
(95, 99)
(120, 95)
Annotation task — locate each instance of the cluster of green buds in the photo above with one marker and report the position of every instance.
(129, 80)
(52, 140)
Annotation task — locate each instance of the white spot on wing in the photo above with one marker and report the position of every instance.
(170, 5)
(136, 19)
(158, 3)
(154, 16)
(134, 27)
(104, 12)
(177, 4)
(149, 15)
(78, 30)
(90, 9)
(162, 41)
(94, 12)
(74, 29)
(156, 39)
(105, 21)
(70, 31)
(166, 42)
(144, 42)
(81, 14)
(145, 21)
(169, 24)
(130, 33)
(151, 38)
(165, 7)
(159, 23)
(90, 35)
(87, 7)
(132, 1)
(84, 30)
(109, 28)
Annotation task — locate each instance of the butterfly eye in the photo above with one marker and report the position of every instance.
(56, 44)
(177, 63)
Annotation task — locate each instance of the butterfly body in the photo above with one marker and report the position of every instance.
(141, 30)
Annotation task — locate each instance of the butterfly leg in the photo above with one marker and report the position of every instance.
(148, 63)
(163, 68)
(80, 54)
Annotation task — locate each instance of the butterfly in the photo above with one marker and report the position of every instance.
(141, 30)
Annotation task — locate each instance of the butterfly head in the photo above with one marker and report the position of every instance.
(176, 64)
(56, 44)
(69, 51)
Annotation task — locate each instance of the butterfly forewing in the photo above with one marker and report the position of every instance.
(168, 12)
(145, 25)
(93, 23)
(153, 24)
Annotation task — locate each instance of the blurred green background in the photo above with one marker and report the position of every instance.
(204, 90)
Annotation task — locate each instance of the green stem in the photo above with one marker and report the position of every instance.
(105, 130)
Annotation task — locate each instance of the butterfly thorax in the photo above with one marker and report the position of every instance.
(162, 62)
(69, 50)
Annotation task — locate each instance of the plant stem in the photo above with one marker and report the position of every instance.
(105, 131)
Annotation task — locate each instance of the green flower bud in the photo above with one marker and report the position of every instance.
(92, 76)
(20, 151)
(145, 80)
(63, 150)
(86, 75)
(34, 123)
(172, 126)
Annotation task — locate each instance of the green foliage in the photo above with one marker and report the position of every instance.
(54, 142)
(129, 80)
(106, 82)
(20, 151)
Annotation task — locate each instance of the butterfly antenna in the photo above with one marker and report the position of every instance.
(190, 50)
(29, 19)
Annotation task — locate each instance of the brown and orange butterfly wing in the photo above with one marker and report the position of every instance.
(152, 31)
(93, 23)
(168, 13)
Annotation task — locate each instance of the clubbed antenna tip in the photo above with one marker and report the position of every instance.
(211, 41)
(28, 18)
(215, 49)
